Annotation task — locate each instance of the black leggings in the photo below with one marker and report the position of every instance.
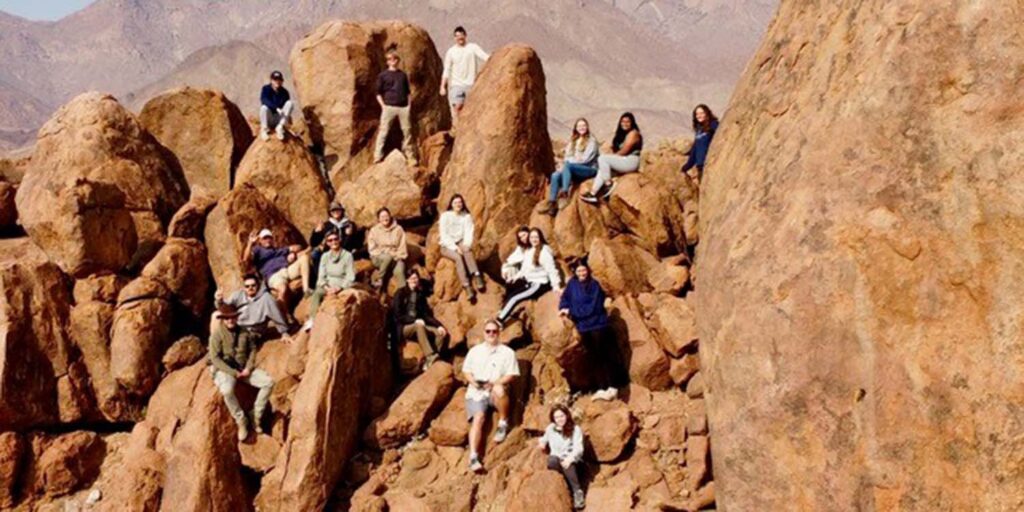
(570, 473)
(520, 292)
(604, 349)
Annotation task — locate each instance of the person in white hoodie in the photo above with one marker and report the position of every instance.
(457, 244)
(537, 275)
(462, 64)
(514, 261)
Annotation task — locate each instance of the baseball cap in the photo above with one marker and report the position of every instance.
(265, 233)
(336, 206)
(276, 75)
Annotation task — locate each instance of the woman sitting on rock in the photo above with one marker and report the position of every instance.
(388, 252)
(580, 162)
(705, 124)
(457, 244)
(537, 274)
(336, 273)
(563, 441)
(510, 268)
(583, 303)
(627, 144)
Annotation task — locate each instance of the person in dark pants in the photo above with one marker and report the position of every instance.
(705, 124)
(583, 303)
(563, 441)
(413, 317)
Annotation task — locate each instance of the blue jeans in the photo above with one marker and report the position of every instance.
(561, 180)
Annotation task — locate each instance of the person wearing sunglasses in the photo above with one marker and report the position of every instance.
(256, 306)
(337, 272)
(489, 368)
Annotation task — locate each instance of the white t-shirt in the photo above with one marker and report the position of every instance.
(462, 64)
(489, 363)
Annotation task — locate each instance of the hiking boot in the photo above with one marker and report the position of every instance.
(429, 361)
(264, 135)
(474, 464)
(606, 190)
(501, 433)
(563, 202)
(579, 501)
(478, 282)
(257, 425)
(470, 294)
(552, 209)
(308, 326)
(589, 198)
(280, 132)
(243, 431)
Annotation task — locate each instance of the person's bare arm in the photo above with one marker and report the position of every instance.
(631, 141)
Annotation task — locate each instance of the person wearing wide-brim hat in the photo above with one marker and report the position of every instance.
(232, 356)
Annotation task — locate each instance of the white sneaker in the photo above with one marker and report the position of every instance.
(611, 393)
(501, 433)
(280, 132)
(474, 464)
(308, 326)
(243, 430)
(264, 135)
(605, 394)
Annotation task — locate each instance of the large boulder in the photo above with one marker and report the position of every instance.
(181, 267)
(335, 71)
(139, 484)
(539, 490)
(12, 454)
(64, 463)
(346, 368)
(391, 183)
(412, 411)
(287, 174)
(100, 189)
(139, 335)
(35, 348)
(502, 154)
(241, 213)
(205, 130)
(609, 427)
(648, 364)
(861, 278)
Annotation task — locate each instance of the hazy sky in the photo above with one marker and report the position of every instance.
(42, 9)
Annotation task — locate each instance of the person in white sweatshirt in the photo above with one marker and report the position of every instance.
(537, 275)
(462, 63)
(514, 261)
(456, 242)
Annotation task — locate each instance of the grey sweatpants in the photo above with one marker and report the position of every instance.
(608, 163)
(270, 119)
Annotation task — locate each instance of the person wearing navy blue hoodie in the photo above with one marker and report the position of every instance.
(705, 124)
(275, 107)
(583, 303)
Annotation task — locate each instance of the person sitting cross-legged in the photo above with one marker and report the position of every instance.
(413, 316)
(337, 272)
(563, 440)
(256, 307)
(232, 357)
(490, 367)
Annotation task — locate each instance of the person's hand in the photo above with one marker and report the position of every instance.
(419, 322)
(333, 291)
(320, 227)
(243, 374)
(291, 257)
(444, 90)
(348, 229)
(218, 295)
(566, 463)
(563, 312)
(253, 237)
(441, 331)
(459, 249)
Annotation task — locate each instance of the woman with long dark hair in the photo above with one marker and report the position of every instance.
(537, 274)
(563, 441)
(456, 238)
(579, 163)
(705, 124)
(627, 144)
(514, 261)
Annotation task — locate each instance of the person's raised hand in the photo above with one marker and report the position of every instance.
(218, 295)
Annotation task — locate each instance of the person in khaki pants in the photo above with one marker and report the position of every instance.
(413, 317)
(393, 96)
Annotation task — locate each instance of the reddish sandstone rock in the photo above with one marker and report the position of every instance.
(100, 189)
(412, 411)
(139, 336)
(12, 451)
(347, 366)
(435, 153)
(502, 153)
(181, 267)
(206, 131)
(548, 327)
(674, 325)
(610, 427)
(609, 499)
(682, 369)
(260, 455)
(621, 265)
(90, 327)
(392, 184)
(190, 219)
(335, 68)
(139, 483)
(8, 208)
(65, 463)
(100, 288)
(648, 364)
(241, 213)
(450, 428)
(286, 173)
(183, 352)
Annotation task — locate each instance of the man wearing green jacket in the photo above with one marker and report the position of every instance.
(232, 354)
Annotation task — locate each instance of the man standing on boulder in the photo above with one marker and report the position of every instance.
(232, 357)
(255, 306)
(275, 107)
(393, 96)
(490, 367)
(462, 64)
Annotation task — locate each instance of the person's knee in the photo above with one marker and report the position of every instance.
(478, 420)
(499, 391)
(264, 109)
(420, 323)
(553, 463)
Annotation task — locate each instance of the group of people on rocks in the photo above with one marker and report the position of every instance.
(327, 267)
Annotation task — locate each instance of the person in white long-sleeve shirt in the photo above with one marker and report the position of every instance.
(537, 275)
(462, 63)
(456, 240)
(514, 261)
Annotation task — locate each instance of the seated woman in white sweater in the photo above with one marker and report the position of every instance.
(537, 274)
(514, 261)
(457, 244)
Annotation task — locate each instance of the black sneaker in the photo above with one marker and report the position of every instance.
(606, 190)
(589, 198)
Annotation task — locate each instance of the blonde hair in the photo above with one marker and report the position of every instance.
(577, 141)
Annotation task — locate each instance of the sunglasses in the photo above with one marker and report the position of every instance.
(253, 285)
(490, 331)
(333, 240)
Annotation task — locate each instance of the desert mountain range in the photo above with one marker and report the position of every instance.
(655, 57)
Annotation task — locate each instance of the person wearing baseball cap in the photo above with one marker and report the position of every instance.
(278, 265)
(275, 107)
(232, 357)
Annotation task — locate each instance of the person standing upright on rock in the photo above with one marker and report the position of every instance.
(413, 317)
(462, 63)
(705, 124)
(275, 107)
(489, 368)
(388, 251)
(627, 144)
(563, 441)
(232, 357)
(278, 265)
(393, 97)
(456, 240)
(580, 163)
(255, 306)
(583, 303)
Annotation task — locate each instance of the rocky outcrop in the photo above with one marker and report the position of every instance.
(413, 410)
(346, 367)
(860, 282)
(392, 184)
(286, 173)
(206, 131)
(100, 189)
(335, 71)
(239, 214)
(502, 155)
